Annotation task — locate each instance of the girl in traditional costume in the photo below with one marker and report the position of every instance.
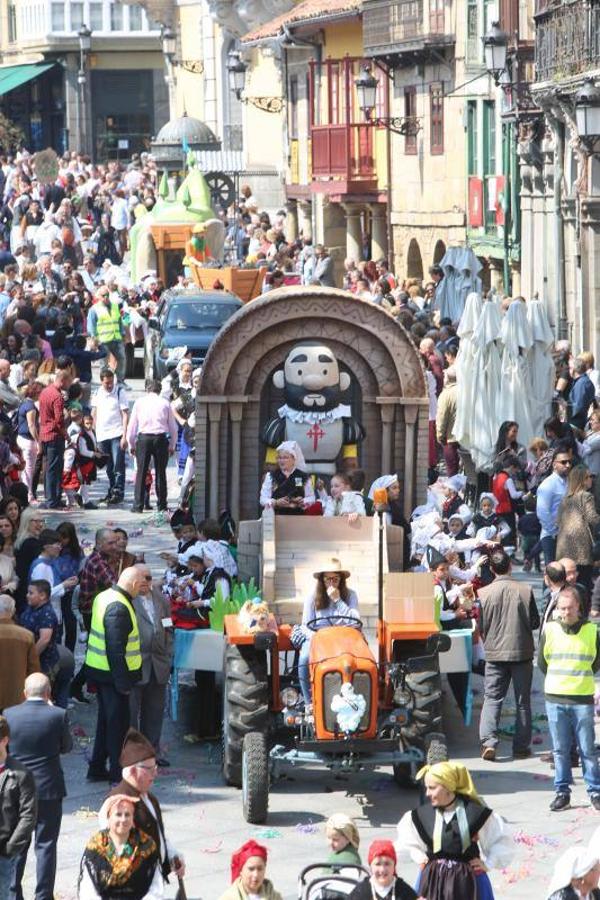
(454, 837)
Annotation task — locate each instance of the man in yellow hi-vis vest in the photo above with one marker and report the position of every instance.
(114, 663)
(105, 326)
(569, 655)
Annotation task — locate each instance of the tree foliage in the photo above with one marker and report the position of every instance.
(11, 136)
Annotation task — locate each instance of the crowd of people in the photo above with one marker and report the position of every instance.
(67, 304)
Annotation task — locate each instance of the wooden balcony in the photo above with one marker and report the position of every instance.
(343, 159)
(405, 28)
(567, 38)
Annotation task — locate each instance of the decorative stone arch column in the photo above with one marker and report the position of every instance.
(366, 340)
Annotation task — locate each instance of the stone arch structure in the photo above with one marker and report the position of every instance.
(367, 340)
(438, 252)
(414, 261)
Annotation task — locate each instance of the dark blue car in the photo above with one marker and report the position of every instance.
(186, 317)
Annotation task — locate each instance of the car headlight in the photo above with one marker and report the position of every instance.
(289, 697)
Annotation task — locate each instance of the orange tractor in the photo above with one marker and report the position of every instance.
(366, 712)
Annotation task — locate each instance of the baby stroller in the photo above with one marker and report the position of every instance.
(328, 881)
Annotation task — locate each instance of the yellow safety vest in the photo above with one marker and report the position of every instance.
(108, 323)
(569, 658)
(96, 650)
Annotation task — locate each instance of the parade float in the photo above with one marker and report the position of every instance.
(367, 406)
(181, 233)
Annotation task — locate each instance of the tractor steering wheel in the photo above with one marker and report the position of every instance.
(313, 624)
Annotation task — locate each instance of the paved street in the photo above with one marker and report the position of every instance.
(204, 819)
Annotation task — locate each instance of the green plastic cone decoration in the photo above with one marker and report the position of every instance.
(186, 198)
(163, 188)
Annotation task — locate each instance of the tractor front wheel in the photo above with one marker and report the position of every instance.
(255, 778)
(245, 704)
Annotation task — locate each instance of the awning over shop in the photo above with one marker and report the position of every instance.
(12, 77)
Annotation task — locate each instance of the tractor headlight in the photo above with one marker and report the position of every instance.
(402, 698)
(289, 697)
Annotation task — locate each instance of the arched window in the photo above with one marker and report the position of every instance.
(438, 253)
(414, 261)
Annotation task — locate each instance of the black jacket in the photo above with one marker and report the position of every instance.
(18, 807)
(402, 891)
(117, 627)
(39, 733)
(569, 893)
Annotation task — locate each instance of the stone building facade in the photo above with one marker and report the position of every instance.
(560, 195)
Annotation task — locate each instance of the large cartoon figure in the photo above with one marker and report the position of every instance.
(313, 415)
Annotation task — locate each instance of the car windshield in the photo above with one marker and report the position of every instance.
(199, 316)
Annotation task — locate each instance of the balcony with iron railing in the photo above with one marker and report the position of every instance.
(343, 159)
(567, 38)
(396, 27)
(345, 150)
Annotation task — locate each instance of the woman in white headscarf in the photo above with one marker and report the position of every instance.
(183, 405)
(288, 488)
(214, 558)
(392, 507)
(575, 875)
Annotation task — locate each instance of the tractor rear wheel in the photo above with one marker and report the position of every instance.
(245, 704)
(426, 716)
(255, 778)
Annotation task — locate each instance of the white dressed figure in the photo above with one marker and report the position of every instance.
(514, 396)
(541, 365)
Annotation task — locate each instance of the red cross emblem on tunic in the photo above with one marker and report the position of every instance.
(316, 433)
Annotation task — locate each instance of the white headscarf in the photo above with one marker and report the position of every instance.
(217, 553)
(456, 482)
(575, 862)
(185, 361)
(384, 481)
(485, 496)
(293, 447)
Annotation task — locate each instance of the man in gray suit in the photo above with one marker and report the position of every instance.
(147, 697)
(39, 733)
(323, 273)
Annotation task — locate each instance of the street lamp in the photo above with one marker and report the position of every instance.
(85, 39)
(85, 45)
(587, 113)
(495, 46)
(169, 42)
(366, 89)
(236, 68)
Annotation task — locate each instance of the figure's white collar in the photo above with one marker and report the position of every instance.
(313, 416)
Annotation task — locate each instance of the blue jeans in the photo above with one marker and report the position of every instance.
(7, 868)
(564, 721)
(548, 549)
(304, 672)
(117, 348)
(115, 465)
(54, 452)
